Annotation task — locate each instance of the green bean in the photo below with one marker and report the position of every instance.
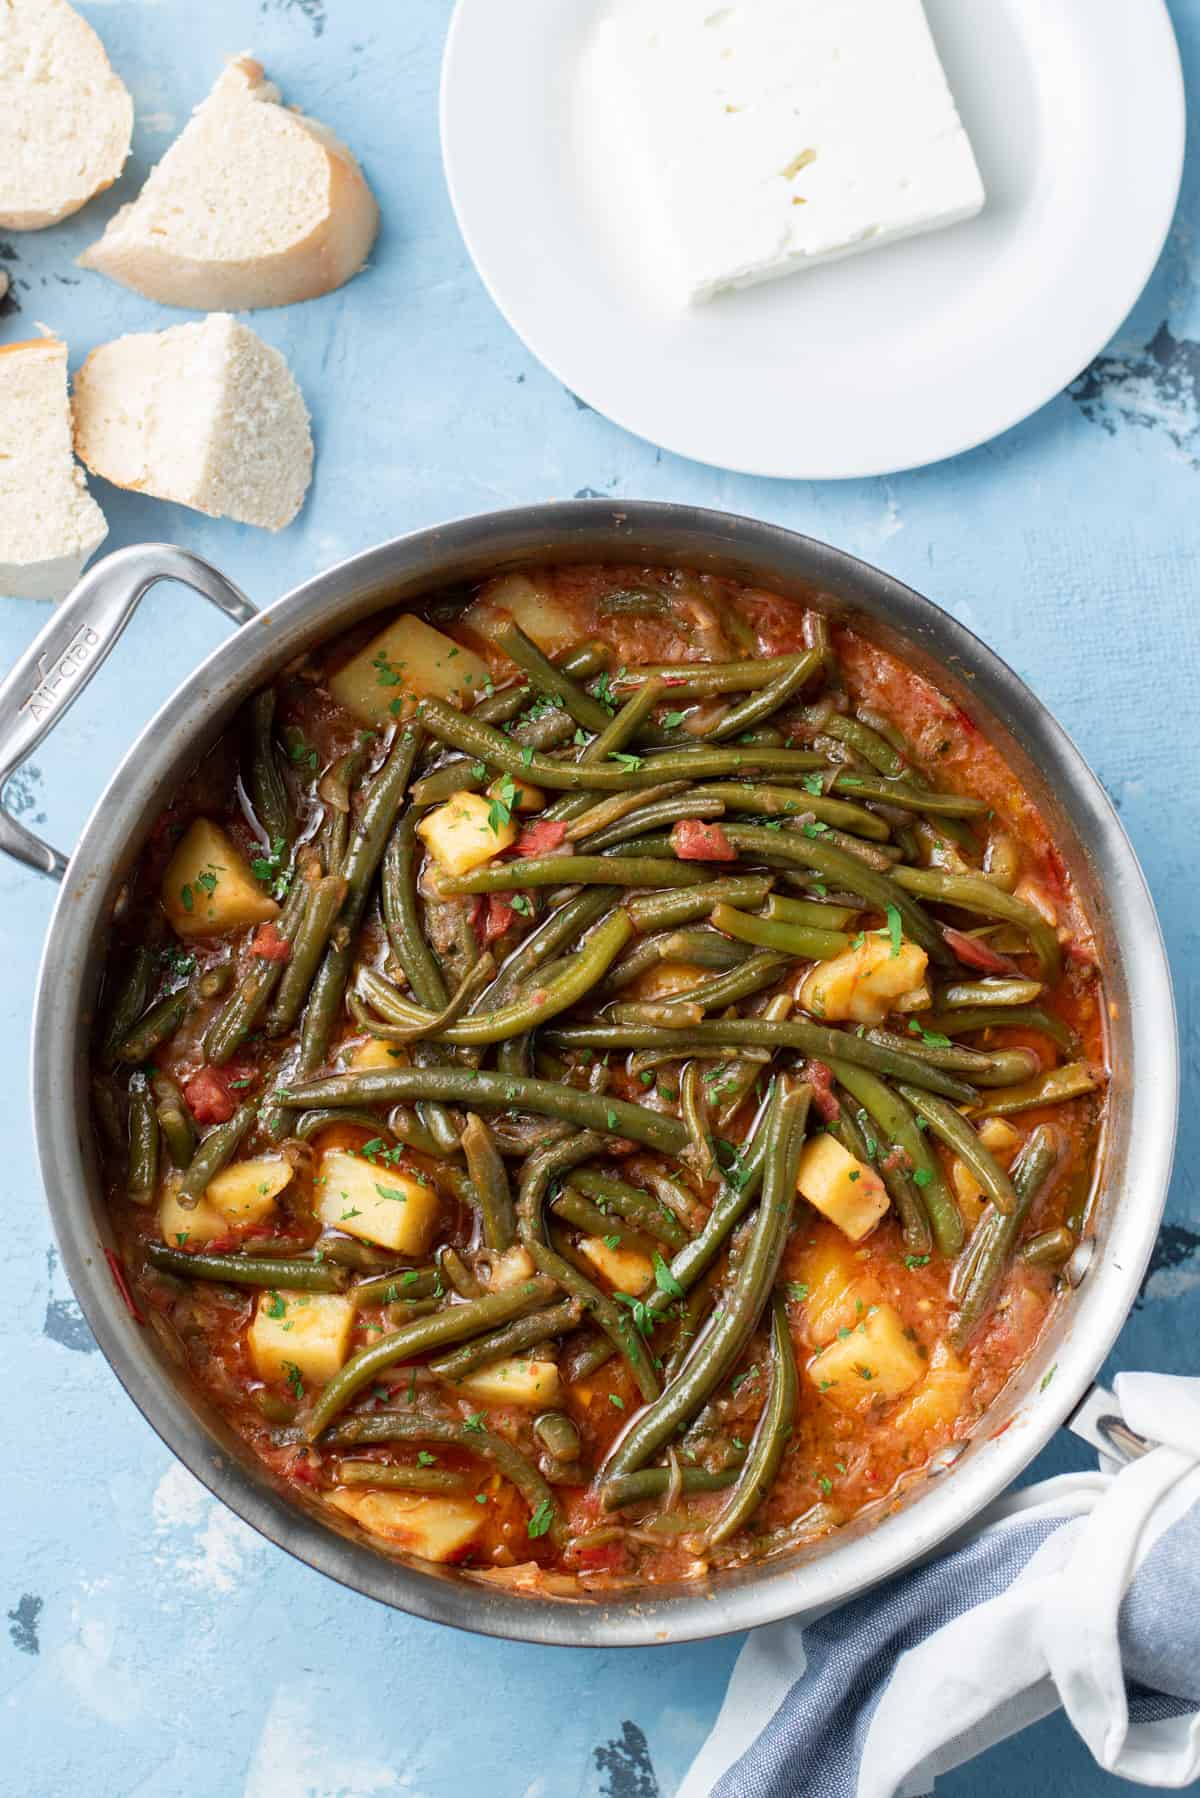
(974, 893)
(547, 679)
(799, 940)
(401, 1283)
(248, 1270)
(599, 814)
(816, 914)
(1049, 1248)
(816, 1040)
(910, 798)
(414, 1025)
(174, 1120)
(654, 1482)
(504, 704)
(310, 1122)
(266, 786)
(498, 751)
(742, 1074)
(757, 707)
(528, 1009)
(574, 1209)
(1015, 1017)
(630, 1203)
(243, 1011)
(953, 1129)
(511, 1339)
(739, 983)
(125, 1005)
(696, 680)
(703, 948)
(558, 870)
(692, 804)
(334, 836)
(142, 1181)
(216, 1150)
(665, 911)
(1052, 1088)
(558, 1436)
(456, 1273)
(618, 1325)
(882, 891)
(407, 939)
(720, 1347)
(969, 994)
(625, 725)
(154, 1027)
(452, 1324)
(563, 927)
(486, 1168)
(675, 1014)
(896, 1121)
(700, 1153)
(860, 738)
(791, 801)
(996, 1236)
(409, 1426)
(309, 940)
(983, 1067)
(765, 1455)
(541, 1171)
(384, 797)
(403, 1479)
(216, 981)
(854, 1128)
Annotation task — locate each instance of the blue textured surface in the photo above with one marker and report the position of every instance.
(157, 1647)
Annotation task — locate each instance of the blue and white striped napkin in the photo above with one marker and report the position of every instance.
(1082, 1592)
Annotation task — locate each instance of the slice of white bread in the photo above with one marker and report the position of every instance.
(207, 415)
(49, 524)
(65, 118)
(253, 205)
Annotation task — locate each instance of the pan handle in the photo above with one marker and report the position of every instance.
(66, 653)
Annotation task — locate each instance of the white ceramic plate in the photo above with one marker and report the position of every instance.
(890, 359)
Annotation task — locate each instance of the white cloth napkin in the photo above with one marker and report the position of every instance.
(1082, 1592)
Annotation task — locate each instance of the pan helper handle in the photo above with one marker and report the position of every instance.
(69, 649)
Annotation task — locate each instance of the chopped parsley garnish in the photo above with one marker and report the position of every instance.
(672, 720)
(295, 1379)
(664, 1279)
(895, 929)
(541, 1520)
(797, 1291)
(474, 1423)
(276, 1305)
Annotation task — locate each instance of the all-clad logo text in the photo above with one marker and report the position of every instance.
(47, 695)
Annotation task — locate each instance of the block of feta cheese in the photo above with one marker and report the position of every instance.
(768, 136)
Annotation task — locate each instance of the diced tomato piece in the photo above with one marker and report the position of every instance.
(895, 1159)
(491, 915)
(269, 944)
(605, 1557)
(820, 1078)
(693, 841)
(542, 837)
(209, 1098)
(975, 954)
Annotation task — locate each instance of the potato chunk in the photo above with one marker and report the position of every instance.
(941, 1394)
(833, 1287)
(625, 1269)
(183, 1229)
(300, 1336)
(437, 1529)
(997, 1135)
(845, 1190)
(406, 662)
(514, 1381)
(246, 1192)
(465, 832)
(512, 1268)
(208, 887)
(875, 1359)
(669, 980)
(865, 983)
(375, 1203)
(375, 1053)
(528, 604)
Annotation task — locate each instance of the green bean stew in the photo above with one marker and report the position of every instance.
(586, 1088)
